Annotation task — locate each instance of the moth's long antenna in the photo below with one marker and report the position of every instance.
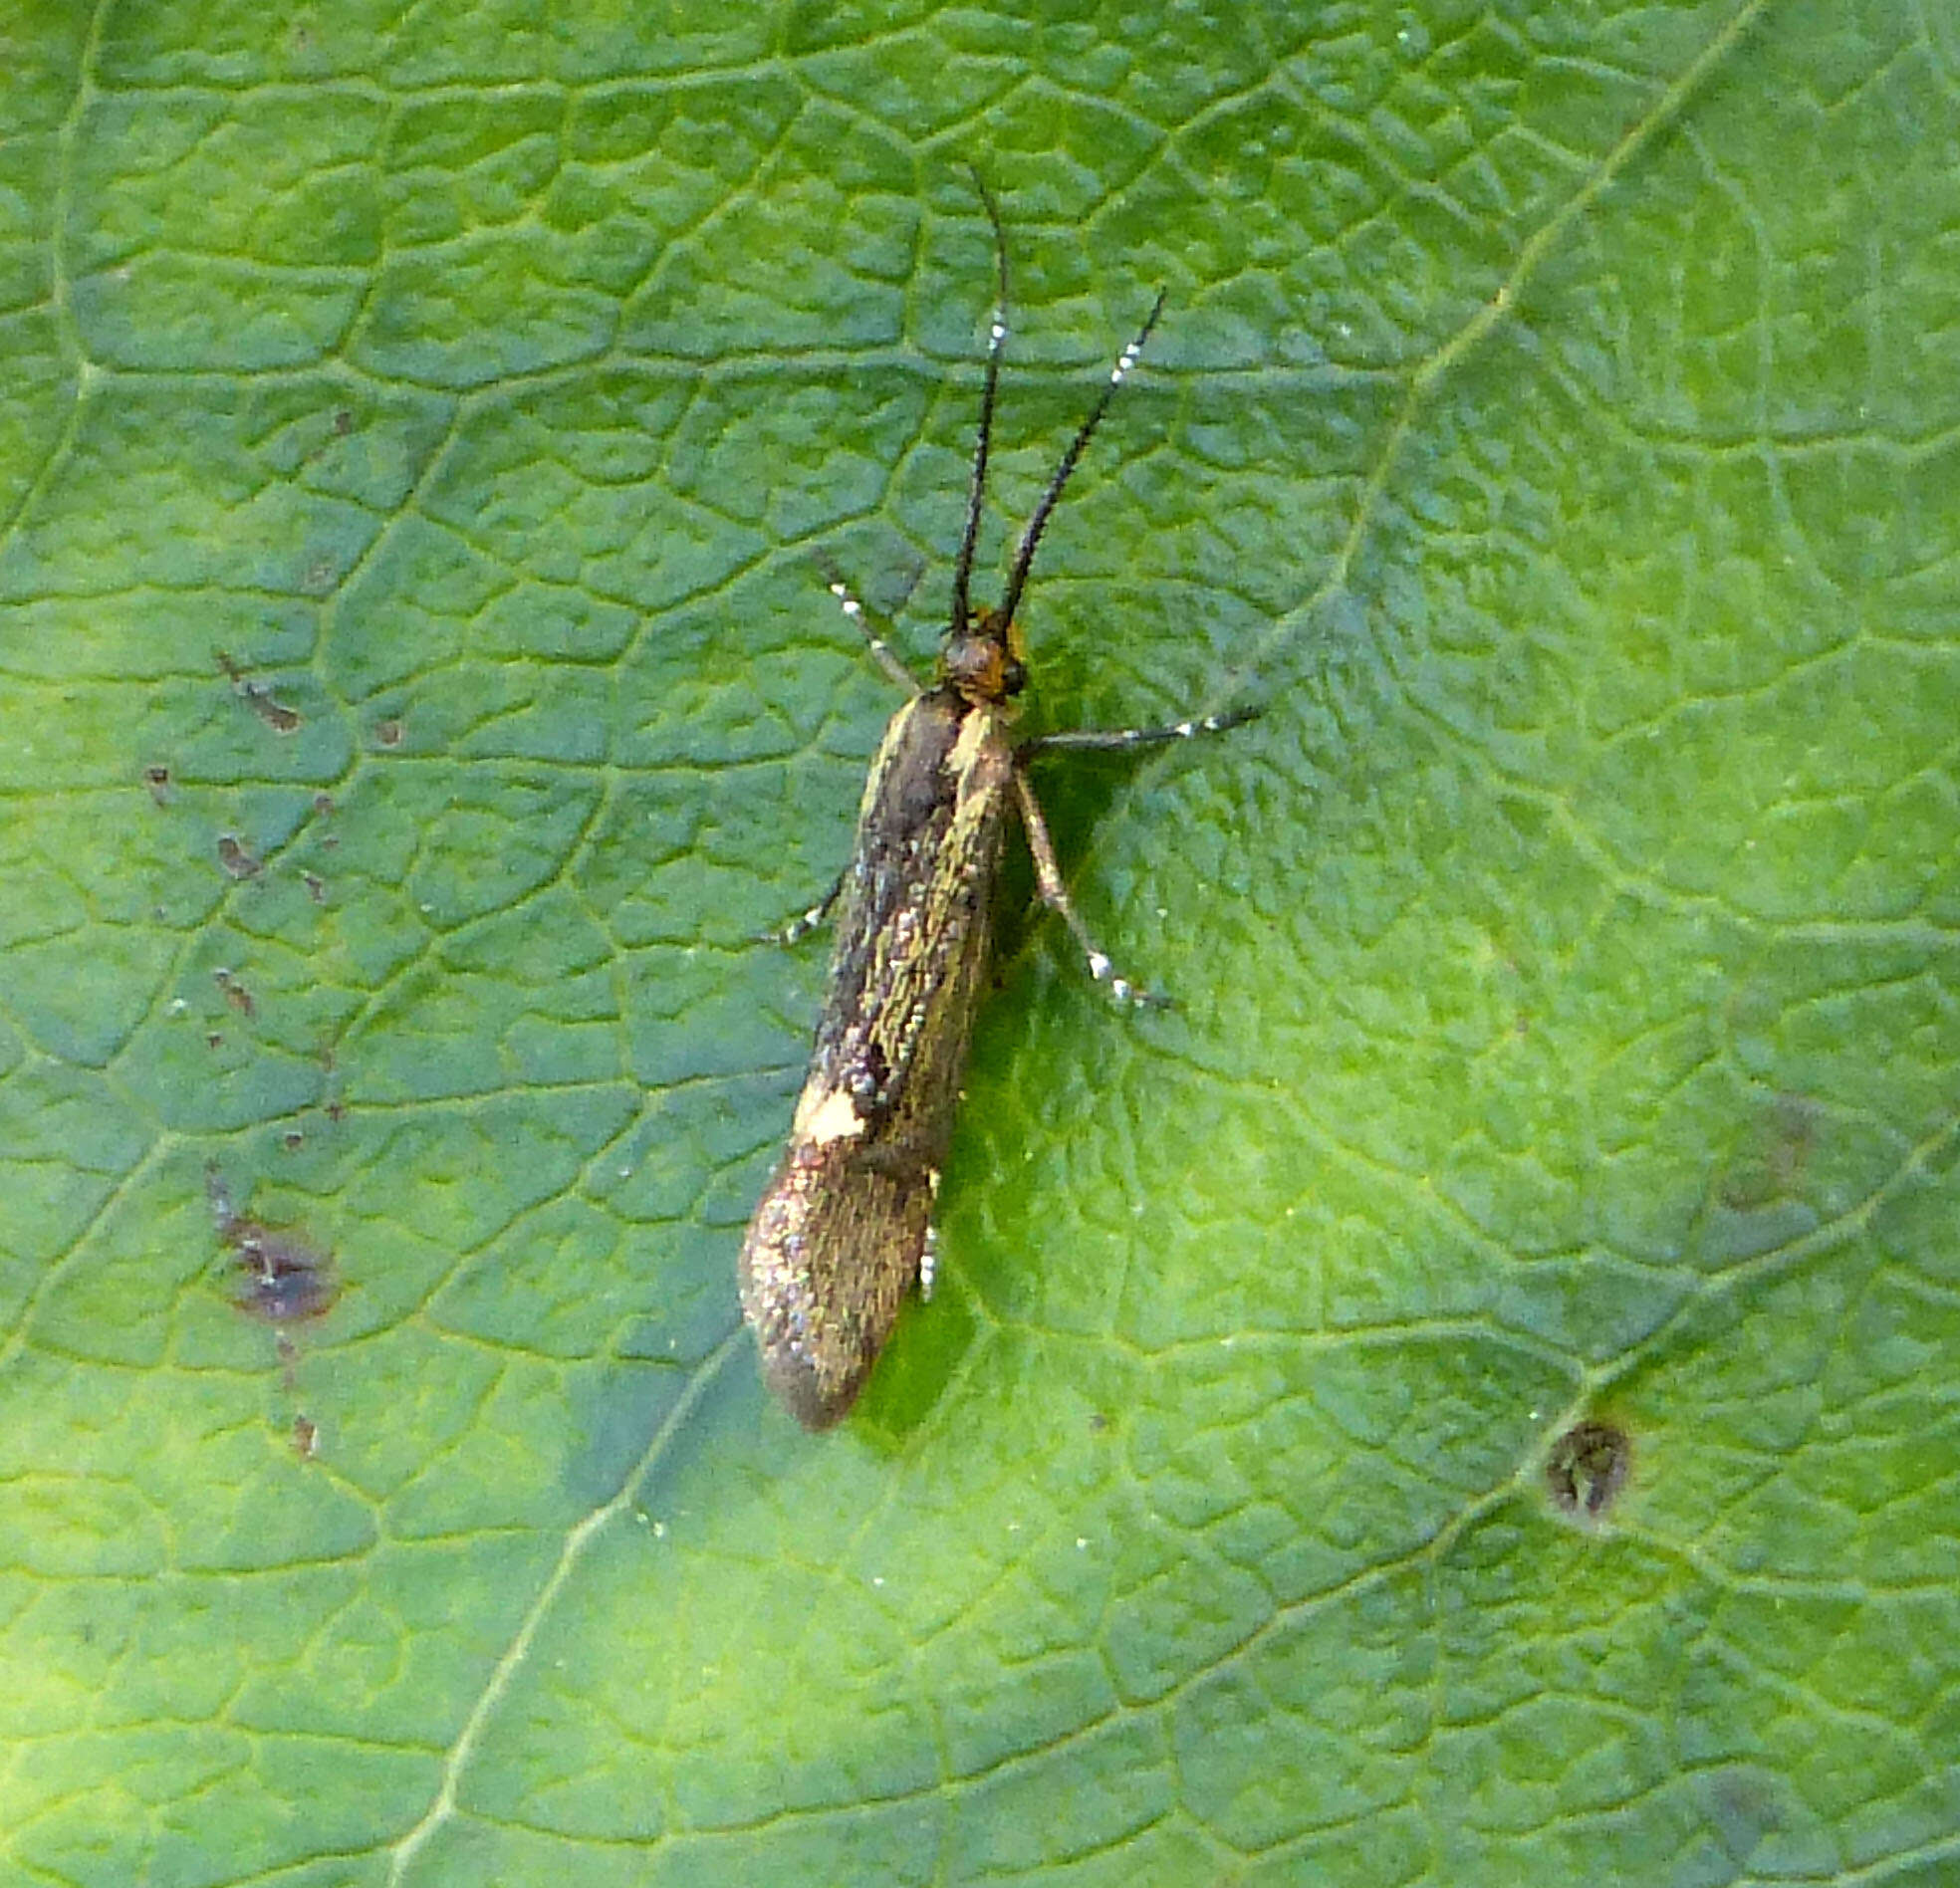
(1024, 557)
(976, 498)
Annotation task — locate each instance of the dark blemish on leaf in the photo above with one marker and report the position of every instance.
(1740, 1809)
(285, 1278)
(292, 1140)
(337, 1110)
(305, 1438)
(1771, 1168)
(235, 859)
(323, 804)
(276, 715)
(236, 991)
(388, 732)
(1587, 1468)
(315, 887)
(157, 780)
(214, 1039)
(344, 421)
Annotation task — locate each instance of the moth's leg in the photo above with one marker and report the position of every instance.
(929, 1264)
(873, 625)
(1054, 895)
(1114, 738)
(801, 926)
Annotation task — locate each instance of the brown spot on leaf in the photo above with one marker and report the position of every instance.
(388, 732)
(316, 887)
(285, 1279)
(275, 714)
(305, 1438)
(1587, 1468)
(235, 859)
(1772, 1164)
(236, 991)
(157, 780)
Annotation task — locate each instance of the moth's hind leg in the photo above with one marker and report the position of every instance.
(799, 927)
(1054, 895)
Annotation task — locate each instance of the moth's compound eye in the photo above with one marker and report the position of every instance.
(1014, 676)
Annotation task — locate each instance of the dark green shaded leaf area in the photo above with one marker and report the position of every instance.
(1554, 428)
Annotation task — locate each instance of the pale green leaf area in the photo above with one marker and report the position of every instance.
(1555, 426)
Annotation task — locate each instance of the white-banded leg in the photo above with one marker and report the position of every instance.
(1054, 895)
(1112, 739)
(801, 926)
(871, 625)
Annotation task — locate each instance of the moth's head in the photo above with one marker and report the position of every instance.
(983, 659)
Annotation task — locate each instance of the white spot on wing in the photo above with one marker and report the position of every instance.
(828, 1116)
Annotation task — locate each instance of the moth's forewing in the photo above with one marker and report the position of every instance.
(837, 1240)
(832, 1251)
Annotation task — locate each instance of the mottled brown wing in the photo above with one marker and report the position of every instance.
(832, 1251)
(919, 884)
(838, 1237)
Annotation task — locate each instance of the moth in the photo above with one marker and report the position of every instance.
(843, 1229)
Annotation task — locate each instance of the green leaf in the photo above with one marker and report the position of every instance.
(1553, 427)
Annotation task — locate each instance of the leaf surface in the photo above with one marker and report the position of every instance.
(425, 435)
